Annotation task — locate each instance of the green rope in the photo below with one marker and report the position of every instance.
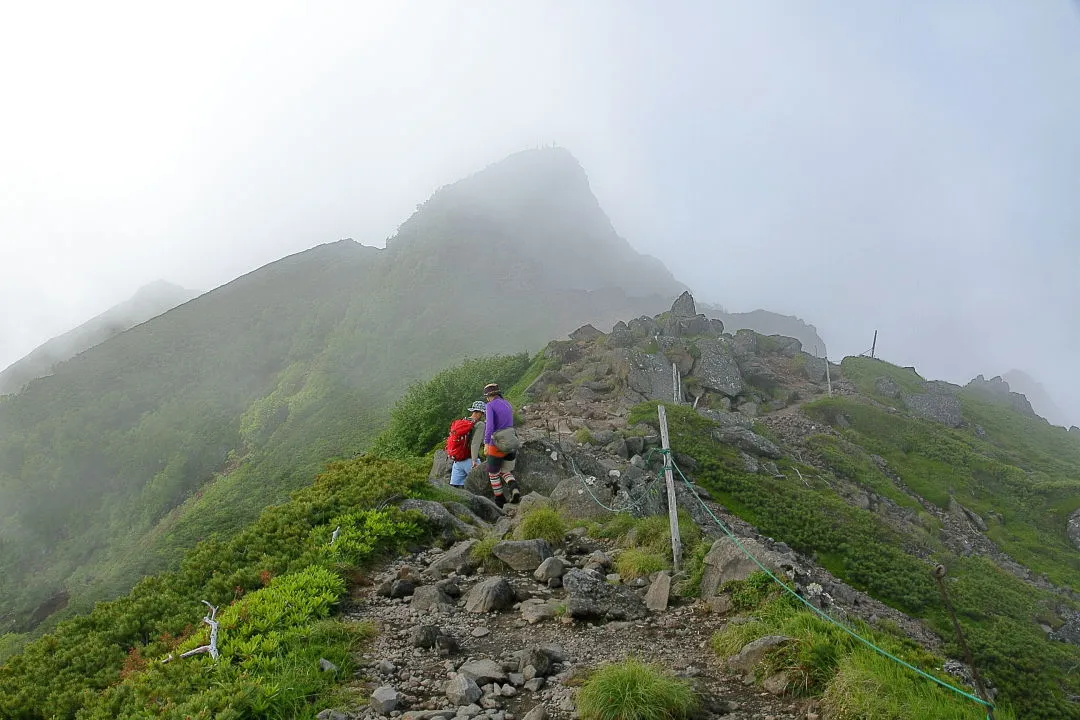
(821, 613)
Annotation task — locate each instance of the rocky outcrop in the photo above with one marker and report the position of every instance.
(997, 390)
(717, 368)
(727, 561)
(1074, 529)
(937, 407)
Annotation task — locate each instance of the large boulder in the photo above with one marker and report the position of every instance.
(813, 367)
(586, 333)
(649, 375)
(726, 561)
(590, 597)
(483, 671)
(522, 554)
(489, 595)
(571, 498)
(455, 560)
(684, 306)
(717, 368)
(440, 518)
(462, 690)
(428, 596)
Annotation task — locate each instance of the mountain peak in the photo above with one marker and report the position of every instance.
(534, 215)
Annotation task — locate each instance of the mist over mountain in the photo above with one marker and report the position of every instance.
(191, 422)
(1040, 398)
(148, 302)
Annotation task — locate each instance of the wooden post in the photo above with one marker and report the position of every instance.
(828, 377)
(674, 383)
(873, 348)
(673, 511)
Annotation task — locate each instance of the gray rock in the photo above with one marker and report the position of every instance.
(327, 667)
(620, 336)
(758, 373)
(752, 653)
(571, 498)
(1073, 529)
(813, 368)
(516, 679)
(502, 529)
(590, 596)
(491, 594)
(534, 612)
(717, 368)
(656, 599)
(649, 375)
(684, 306)
(455, 560)
(522, 554)
(532, 501)
(618, 447)
(480, 632)
(944, 409)
(552, 567)
(402, 588)
(726, 561)
(329, 714)
(775, 684)
(483, 671)
(426, 596)
(541, 659)
(748, 441)
(462, 690)
(439, 517)
(643, 327)
(385, 667)
(586, 333)
(384, 700)
(534, 684)
(446, 645)
(424, 636)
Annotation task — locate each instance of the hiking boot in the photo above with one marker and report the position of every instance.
(500, 500)
(515, 494)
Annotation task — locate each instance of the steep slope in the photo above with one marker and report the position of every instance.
(191, 423)
(148, 302)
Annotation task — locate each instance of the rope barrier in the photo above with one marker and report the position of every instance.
(825, 616)
(720, 523)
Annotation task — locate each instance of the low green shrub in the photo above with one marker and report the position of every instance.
(544, 523)
(633, 690)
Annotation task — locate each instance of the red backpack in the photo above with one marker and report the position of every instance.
(457, 443)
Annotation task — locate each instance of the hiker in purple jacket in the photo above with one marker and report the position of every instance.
(500, 464)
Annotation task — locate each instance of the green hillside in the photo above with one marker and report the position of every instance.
(193, 422)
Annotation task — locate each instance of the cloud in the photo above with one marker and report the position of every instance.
(906, 167)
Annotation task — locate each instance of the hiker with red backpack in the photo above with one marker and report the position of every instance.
(500, 445)
(465, 443)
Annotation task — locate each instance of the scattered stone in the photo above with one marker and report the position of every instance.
(552, 567)
(656, 599)
(329, 714)
(534, 684)
(516, 679)
(522, 554)
(385, 667)
(402, 588)
(327, 667)
(483, 672)
(462, 690)
(509, 690)
(535, 612)
(384, 700)
(446, 645)
(776, 684)
(492, 594)
(455, 560)
(426, 596)
(480, 632)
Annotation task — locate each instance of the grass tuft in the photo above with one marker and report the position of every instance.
(634, 563)
(633, 690)
(542, 522)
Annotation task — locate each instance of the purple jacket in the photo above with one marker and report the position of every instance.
(499, 415)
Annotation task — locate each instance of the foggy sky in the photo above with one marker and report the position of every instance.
(910, 167)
